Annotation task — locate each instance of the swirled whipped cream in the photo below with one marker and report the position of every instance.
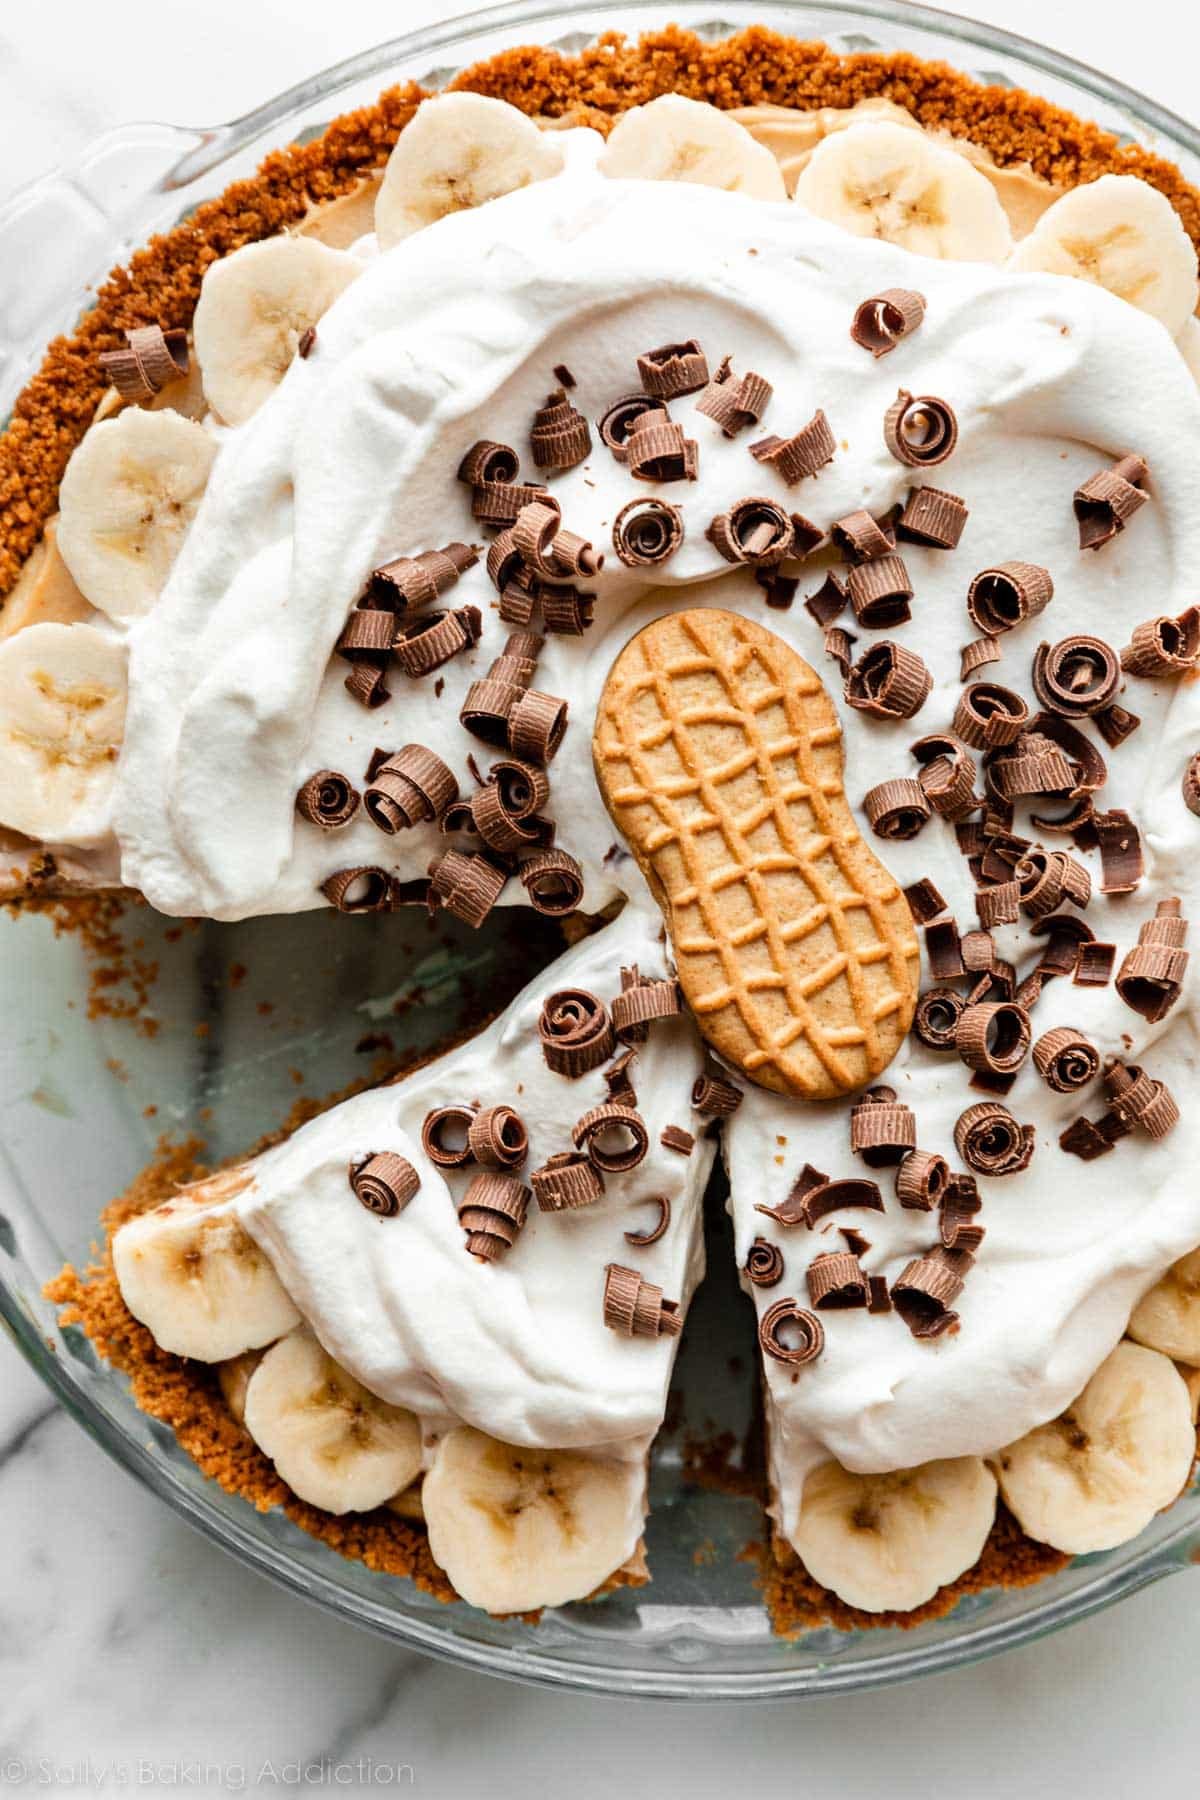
(234, 702)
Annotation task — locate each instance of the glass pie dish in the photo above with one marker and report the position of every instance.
(85, 1100)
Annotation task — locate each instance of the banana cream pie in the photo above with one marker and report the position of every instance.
(809, 620)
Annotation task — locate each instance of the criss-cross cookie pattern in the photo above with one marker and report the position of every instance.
(721, 759)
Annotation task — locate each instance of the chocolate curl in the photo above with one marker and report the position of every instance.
(365, 643)
(754, 530)
(925, 900)
(413, 581)
(1190, 784)
(1005, 596)
(889, 681)
(994, 1037)
(835, 1281)
(764, 1264)
(999, 905)
(553, 880)
(1121, 861)
(559, 437)
(436, 1130)
(830, 599)
(502, 829)
(358, 890)
(921, 1180)
(988, 716)
(466, 885)
(492, 1212)
(1139, 1100)
(488, 707)
(673, 370)
(840, 646)
(796, 458)
(657, 450)
(714, 1096)
(880, 591)
(1034, 765)
(937, 1017)
(566, 610)
(504, 563)
(880, 322)
(1065, 1059)
(535, 727)
(384, 1183)
(805, 1327)
(575, 1032)
(1164, 647)
(920, 432)
(861, 537)
(433, 638)
(793, 1210)
(618, 422)
(501, 503)
(932, 517)
(635, 1307)
(488, 463)
(497, 1139)
(641, 1240)
(1107, 501)
(734, 402)
(534, 534)
(646, 532)
(327, 800)
(151, 359)
(639, 1004)
(524, 788)
(882, 1129)
(614, 1138)
(412, 785)
(960, 1206)
(566, 1182)
(812, 1200)
(991, 1142)
(977, 655)
(896, 809)
(1150, 979)
(1077, 676)
(924, 1292)
(947, 775)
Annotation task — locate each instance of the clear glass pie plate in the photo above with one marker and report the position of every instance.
(83, 1101)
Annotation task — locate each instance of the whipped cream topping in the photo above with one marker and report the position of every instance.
(234, 702)
(518, 1347)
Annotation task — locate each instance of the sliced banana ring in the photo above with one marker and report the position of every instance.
(62, 717)
(459, 151)
(335, 1444)
(516, 1529)
(883, 181)
(129, 494)
(1095, 1477)
(1123, 235)
(1168, 1317)
(196, 1280)
(255, 306)
(676, 139)
(889, 1542)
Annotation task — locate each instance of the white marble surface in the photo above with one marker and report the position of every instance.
(132, 1652)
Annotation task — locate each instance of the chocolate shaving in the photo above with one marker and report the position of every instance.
(994, 1037)
(862, 538)
(896, 809)
(1108, 500)
(621, 1090)
(1084, 1140)
(835, 1281)
(618, 422)
(647, 532)
(152, 358)
(435, 1131)
(878, 1298)
(639, 1003)
(714, 1096)
(889, 681)
(947, 775)
(1138, 1100)
(829, 600)
(492, 1212)
(1121, 862)
(925, 900)
(882, 321)
(673, 370)
(553, 880)
(614, 1138)
(559, 437)
(734, 402)
(488, 462)
(328, 800)
(932, 517)
(833, 1196)
(808, 1329)
(413, 581)
(536, 725)
(433, 638)
(1094, 965)
(796, 458)
(358, 890)
(924, 1292)
(991, 1142)
(497, 1138)
(1164, 647)
(466, 885)
(674, 1137)
(1005, 596)
(1065, 1059)
(657, 450)
(920, 432)
(764, 1264)
(998, 905)
(636, 1308)
(943, 947)
(977, 655)
(1077, 676)
(502, 502)
(792, 1211)
(641, 1240)
(412, 785)
(840, 646)
(754, 530)
(921, 1180)
(566, 1182)
(880, 591)
(384, 1183)
(988, 716)
(882, 1129)
(368, 632)
(1115, 724)
(575, 1032)
(1150, 979)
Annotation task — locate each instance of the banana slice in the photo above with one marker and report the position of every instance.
(62, 716)
(194, 1278)
(459, 151)
(889, 1542)
(516, 1529)
(884, 181)
(254, 308)
(233, 1378)
(1094, 1477)
(1168, 1317)
(130, 492)
(1123, 235)
(408, 1504)
(336, 1445)
(674, 139)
